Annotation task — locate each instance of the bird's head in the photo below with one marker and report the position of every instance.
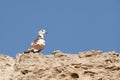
(42, 32)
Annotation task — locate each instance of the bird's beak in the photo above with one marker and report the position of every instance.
(46, 33)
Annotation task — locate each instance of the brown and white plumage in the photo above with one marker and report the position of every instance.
(38, 44)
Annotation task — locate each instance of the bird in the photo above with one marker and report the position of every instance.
(39, 43)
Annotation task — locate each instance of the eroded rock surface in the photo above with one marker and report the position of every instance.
(89, 65)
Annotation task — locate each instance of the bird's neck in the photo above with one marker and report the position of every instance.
(41, 36)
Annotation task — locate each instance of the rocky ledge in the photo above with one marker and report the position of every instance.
(89, 65)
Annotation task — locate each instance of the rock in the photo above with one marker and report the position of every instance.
(6, 67)
(58, 53)
(89, 65)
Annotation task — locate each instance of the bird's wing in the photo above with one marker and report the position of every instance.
(35, 45)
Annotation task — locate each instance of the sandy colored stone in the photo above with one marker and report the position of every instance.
(89, 65)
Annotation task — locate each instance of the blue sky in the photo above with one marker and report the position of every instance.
(73, 25)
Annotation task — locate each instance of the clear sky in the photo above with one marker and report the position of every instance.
(73, 25)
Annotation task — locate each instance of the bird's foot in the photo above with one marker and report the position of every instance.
(31, 51)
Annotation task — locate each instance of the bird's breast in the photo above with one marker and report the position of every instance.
(41, 42)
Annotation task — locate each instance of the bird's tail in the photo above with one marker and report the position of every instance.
(29, 50)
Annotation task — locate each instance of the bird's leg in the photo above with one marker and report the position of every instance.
(37, 51)
(33, 51)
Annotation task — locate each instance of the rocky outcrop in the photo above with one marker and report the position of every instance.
(89, 65)
(6, 67)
